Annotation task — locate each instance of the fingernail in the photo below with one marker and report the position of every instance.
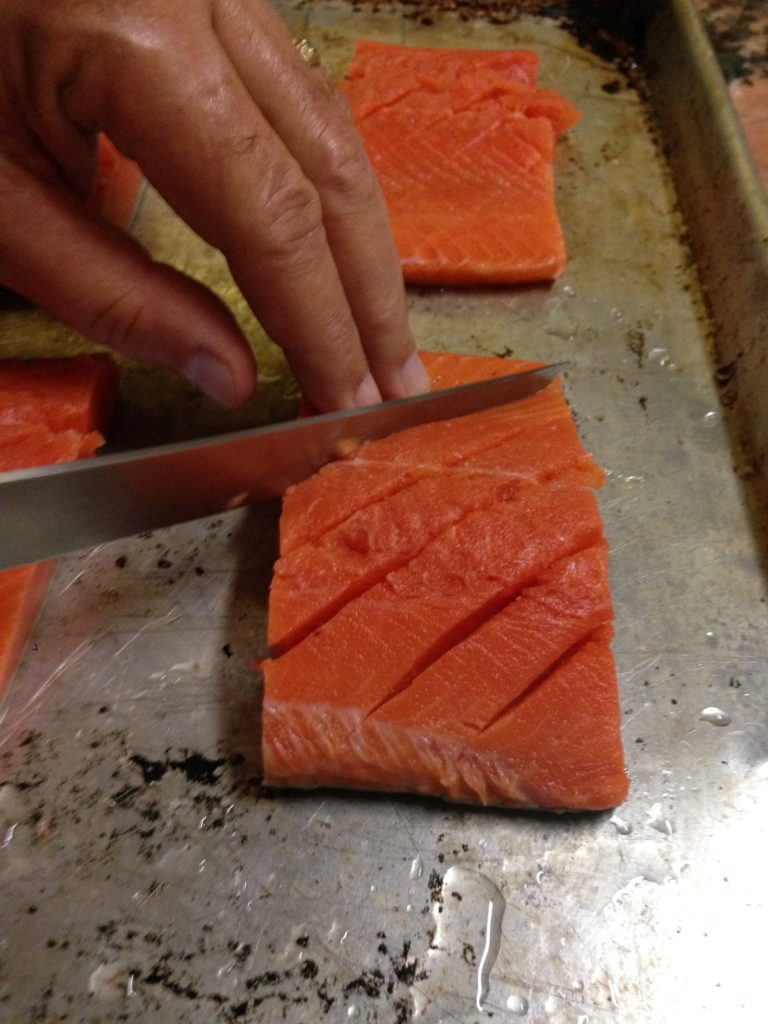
(207, 372)
(414, 376)
(368, 393)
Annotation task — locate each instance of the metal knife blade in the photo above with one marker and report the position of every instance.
(58, 509)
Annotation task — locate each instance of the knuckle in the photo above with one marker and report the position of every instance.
(294, 215)
(346, 170)
(117, 322)
(386, 314)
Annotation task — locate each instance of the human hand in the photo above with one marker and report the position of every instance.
(250, 146)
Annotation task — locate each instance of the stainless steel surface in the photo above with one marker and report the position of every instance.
(147, 877)
(727, 206)
(115, 496)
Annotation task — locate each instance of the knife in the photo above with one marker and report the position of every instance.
(54, 510)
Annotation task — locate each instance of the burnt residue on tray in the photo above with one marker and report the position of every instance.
(739, 33)
(607, 29)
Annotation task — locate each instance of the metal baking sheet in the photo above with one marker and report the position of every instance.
(145, 873)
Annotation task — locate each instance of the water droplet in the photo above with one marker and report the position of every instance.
(417, 868)
(661, 357)
(353, 1011)
(711, 418)
(659, 821)
(568, 290)
(711, 639)
(715, 716)
(517, 1004)
(129, 988)
(490, 951)
(624, 828)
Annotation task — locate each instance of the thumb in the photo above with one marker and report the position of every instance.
(99, 281)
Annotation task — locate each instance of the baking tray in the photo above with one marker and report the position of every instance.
(145, 873)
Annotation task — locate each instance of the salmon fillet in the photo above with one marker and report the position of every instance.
(462, 143)
(51, 411)
(413, 628)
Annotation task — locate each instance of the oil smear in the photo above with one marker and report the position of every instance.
(468, 912)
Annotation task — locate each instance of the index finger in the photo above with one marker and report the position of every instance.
(317, 129)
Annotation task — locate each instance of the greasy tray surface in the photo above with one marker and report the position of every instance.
(144, 874)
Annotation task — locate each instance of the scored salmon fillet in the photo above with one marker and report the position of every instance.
(411, 630)
(51, 411)
(462, 143)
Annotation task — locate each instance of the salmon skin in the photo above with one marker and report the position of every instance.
(440, 616)
(463, 142)
(51, 411)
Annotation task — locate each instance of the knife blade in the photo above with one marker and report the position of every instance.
(55, 510)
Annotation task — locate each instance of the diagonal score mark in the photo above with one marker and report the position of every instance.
(542, 679)
(395, 561)
(462, 630)
(459, 463)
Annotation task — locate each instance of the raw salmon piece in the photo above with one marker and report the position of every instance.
(22, 592)
(117, 186)
(320, 691)
(49, 412)
(416, 676)
(75, 393)
(487, 214)
(462, 143)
